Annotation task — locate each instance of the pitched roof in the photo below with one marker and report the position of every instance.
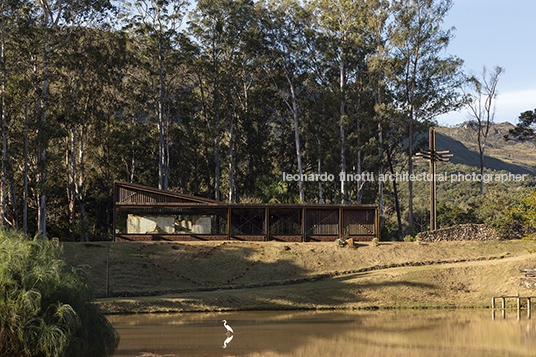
(130, 193)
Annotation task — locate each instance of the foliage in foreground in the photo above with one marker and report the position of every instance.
(46, 310)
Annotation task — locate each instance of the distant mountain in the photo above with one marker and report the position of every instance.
(512, 156)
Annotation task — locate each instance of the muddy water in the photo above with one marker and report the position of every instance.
(381, 333)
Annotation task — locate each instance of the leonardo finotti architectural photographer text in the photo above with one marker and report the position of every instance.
(405, 176)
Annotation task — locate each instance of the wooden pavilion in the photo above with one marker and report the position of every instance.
(146, 214)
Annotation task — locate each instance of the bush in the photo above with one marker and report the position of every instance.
(46, 310)
(499, 210)
(449, 216)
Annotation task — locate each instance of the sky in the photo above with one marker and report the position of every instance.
(496, 33)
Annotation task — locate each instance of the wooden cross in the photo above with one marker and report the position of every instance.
(432, 156)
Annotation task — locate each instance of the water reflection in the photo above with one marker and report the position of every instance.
(379, 333)
(227, 341)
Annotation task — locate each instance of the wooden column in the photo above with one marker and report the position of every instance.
(266, 224)
(340, 223)
(303, 224)
(229, 223)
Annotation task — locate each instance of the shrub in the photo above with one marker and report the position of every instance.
(500, 210)
(46, 310)
(450, 215)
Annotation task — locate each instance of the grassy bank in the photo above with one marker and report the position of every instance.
(212, 276)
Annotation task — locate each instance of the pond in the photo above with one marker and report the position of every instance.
(356, 333)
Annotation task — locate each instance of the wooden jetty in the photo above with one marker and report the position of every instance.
(519, 299)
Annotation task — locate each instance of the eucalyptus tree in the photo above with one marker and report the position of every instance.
(156, 23)
(3, 115)
(55, 19)
(379, 65)
(481, 103)
(20, 43)
(428, 81)
(219, 28)
(341, 40)
(17, 41)
(283, 27)
(87, 71)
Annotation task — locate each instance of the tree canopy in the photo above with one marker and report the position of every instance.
(212, 102)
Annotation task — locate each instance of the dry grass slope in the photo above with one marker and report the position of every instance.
(301, 275)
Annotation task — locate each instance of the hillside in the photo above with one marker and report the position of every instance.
(512, 156)
(302, 275)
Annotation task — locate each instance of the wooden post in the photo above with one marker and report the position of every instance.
(432, 156)
(303, 224)
(433, 199)
(518, 303)
(503, 302)
(341, 233)
(266, 224)
(229, 223)
(493, 303)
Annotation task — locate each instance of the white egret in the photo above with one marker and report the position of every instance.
(229, 329)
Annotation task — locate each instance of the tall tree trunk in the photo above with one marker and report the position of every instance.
(13, 195)
(360, 183)
(3, 114)
(217, 134)
(380, 182)
(410, 169)
(80, 192)
(297, 137)
(411, 99)
(109, 185)
(71, 184)
(395, 192)
(69, 170)
(380, 156)
(217, 167)
(231, 161)
(42, 146)
(481, 152)
(342, 131)
(166, 164)
(25, 184)
(161, 146)
(319, 181)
